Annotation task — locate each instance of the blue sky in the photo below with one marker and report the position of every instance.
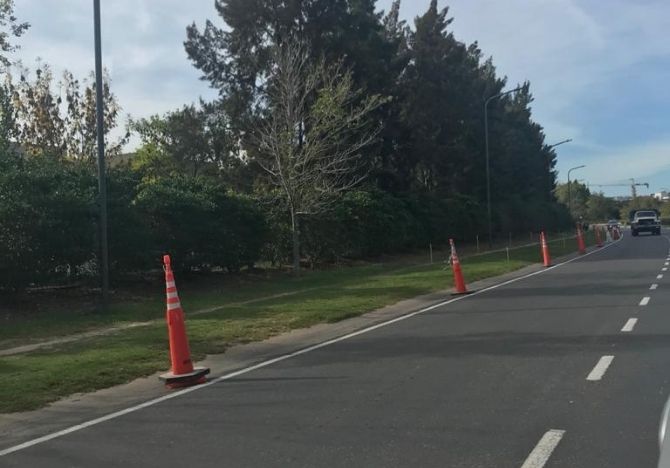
(598, 69)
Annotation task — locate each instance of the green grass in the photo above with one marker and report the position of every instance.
(35, 379)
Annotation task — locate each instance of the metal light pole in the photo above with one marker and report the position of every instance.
(102, 185)
(559, 143)
(488, 168)
(569, 187)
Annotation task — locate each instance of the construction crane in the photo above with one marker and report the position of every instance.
(633, 186)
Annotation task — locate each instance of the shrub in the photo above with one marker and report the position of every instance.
(47, 219)
(200, 224)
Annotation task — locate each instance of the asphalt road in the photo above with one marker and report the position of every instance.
(537, 371)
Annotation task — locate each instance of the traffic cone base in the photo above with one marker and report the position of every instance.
(197, 376)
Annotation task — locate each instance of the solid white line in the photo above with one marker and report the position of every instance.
(653, 286)
(659, 276)
(283, 357)
(600, 368)
(628, 327)
(645, 300)
(542, 451)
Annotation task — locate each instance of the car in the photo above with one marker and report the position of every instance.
(612, 223)
(645, 221)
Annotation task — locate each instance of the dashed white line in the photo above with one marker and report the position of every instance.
(664, 269)
(628, 327)
(666, 263)
(542, 451)
(659, 277)
(653, 286)
(645, 300)
(600, 368)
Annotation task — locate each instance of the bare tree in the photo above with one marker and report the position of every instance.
(58, 119)
(311, 139)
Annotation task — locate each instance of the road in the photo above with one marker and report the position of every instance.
(566, 368)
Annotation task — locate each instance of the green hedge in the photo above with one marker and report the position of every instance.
(49, 222)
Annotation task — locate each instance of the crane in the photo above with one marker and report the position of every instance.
(633, 186)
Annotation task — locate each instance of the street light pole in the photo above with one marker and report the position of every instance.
(488, 168)
(559, 143)
(569, 187)
(102, 185)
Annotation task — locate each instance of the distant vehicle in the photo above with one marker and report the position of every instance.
(645, 221)
(613, 223)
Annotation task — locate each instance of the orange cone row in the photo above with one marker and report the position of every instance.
(182, 372)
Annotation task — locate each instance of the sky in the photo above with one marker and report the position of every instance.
(599, 70)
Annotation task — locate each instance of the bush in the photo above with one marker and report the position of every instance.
(47, 219)
(200, 225)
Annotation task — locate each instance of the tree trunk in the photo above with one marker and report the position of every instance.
(295, 231)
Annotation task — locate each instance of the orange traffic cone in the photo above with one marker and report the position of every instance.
(545, 250)
(599, 241)
(182, 372)
(580, 240)
(459, 283)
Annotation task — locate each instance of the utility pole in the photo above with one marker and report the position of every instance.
(102, 183)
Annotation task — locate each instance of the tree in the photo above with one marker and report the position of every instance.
(237, 60)
(47, 125)
(316, 125)
(577, 200)
(9, 26)
(192, 141)
(601, 208)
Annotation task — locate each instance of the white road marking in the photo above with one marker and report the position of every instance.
(600, 369)
(645, 300)
(269, 362)
(653, 286)
(666, 263)
(664, 269)
(628, 327)
(659, 277)
(544, 448)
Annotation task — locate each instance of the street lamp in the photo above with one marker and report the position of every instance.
(559, 143)
(102, 185)
(569, 187)
(488, 168)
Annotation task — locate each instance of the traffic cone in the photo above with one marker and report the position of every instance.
(182, 372)
(580, 240)
(545, 250)
(599, 241)
(459, 283)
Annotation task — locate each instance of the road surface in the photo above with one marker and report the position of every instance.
(566, 368)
